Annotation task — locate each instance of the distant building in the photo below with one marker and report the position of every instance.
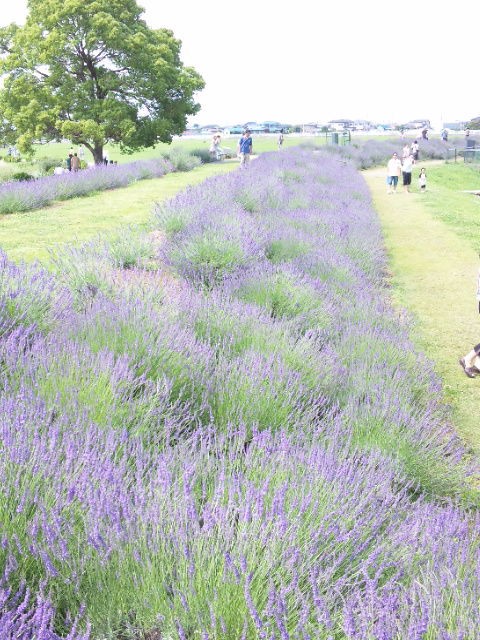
(363, 125)
(341, 125)
(311, 127)
(211, 129)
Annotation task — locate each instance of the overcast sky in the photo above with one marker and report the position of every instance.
(307, 61)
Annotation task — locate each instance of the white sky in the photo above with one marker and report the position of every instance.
(308, 61)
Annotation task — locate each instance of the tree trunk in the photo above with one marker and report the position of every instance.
(98, 154)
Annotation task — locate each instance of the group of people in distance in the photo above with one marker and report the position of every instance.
(403, 167)
(244, 147)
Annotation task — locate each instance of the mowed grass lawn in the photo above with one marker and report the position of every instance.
(433, 241)
(28, 236)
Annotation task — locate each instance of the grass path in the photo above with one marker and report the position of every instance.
(28, 235)
(434, 276)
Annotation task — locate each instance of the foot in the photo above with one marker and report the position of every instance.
(469, 371)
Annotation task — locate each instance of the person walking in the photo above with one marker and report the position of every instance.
(280, 139)
(407, 167)
(406, 151)
(245, 146)
(394, 168)
(75, 163)
(470, 362)
(422, 180)
(69, 161)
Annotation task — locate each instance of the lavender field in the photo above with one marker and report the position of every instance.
(239, 442)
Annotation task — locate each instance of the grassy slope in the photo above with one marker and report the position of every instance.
(27, 236)
(434, 270)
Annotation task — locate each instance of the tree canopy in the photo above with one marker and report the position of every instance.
(474, 123)
(92, 71)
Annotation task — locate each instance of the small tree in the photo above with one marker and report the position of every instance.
(92, 71)
(473, 124)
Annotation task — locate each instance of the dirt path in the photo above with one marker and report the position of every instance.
(434, 276)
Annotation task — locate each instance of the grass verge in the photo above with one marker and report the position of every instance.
(433, 274)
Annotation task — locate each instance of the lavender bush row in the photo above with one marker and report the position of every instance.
(321, 270)
(251, 450)
(25, 196)
(374, 152)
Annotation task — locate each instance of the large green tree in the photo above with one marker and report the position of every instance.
(92, 71)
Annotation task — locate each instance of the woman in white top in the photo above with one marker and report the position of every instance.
(394, 168)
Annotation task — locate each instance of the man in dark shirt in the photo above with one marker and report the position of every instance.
(245, 145)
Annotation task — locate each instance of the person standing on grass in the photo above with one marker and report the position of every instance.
(69, 161)
(394, 168)
(75, 163)
(406, 151)
(407, 167)
(280, 139)
(470, 363)
(245, 146)
(422, 180)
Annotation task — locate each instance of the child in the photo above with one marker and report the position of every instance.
(422, 180)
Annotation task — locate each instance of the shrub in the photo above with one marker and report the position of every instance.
(181, 159)
(210, 257)
(22, 176)
(46, 165)
(129, 249)
(204, 155)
